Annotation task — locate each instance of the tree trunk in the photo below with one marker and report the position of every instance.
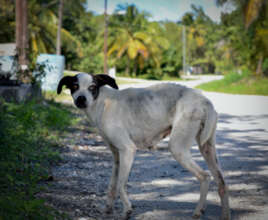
(259, 67)
(22, 32)
(105, 66)
(135, 67)
(58, 52)
(128, 66)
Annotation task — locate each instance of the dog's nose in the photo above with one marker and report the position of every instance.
(80, 102)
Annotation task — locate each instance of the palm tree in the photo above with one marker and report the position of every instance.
(135, 38)
(250, 8)
(43, 30)
(254, 12)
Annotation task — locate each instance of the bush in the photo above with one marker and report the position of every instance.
(28, 141)
(265, 67)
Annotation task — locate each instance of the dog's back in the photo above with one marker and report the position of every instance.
(148, 113)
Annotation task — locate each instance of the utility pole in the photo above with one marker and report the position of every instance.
(60, 11)
(184, 49)
(22, 33)
(105, 68)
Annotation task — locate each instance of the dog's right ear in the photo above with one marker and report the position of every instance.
(65, 81)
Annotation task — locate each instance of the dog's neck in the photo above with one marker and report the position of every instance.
(94, 112)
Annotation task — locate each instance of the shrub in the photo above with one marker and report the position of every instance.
(28, 147)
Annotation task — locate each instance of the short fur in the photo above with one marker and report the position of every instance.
(139, 118)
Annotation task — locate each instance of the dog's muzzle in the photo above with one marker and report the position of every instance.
(80, 102)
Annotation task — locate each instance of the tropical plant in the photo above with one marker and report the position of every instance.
(43, 30)
(7, 21)
(255, 22)
(136, 38)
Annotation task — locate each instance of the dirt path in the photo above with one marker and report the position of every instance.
(158, 186)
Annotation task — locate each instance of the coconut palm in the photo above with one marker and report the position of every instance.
(136, 38)
(43, 30)
(255, 21)
(250, 8)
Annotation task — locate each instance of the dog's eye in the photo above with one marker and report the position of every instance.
(92, 88)
(75, 87)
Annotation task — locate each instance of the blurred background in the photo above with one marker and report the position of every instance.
(147, 39)
(139, 42)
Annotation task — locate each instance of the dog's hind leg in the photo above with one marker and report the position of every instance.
(182, 137)
(112, 191)
(208, 151)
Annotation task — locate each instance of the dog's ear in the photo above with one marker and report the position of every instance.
(103, 79)
(65, 81)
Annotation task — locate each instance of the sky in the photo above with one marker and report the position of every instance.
(162, 10)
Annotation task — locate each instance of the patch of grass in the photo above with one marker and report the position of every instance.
(238, 84)
(53, 96)
(29, 136)
(172, 78)
(126, 81)
(69, 73)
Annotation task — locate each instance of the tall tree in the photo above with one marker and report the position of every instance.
(255, 14)
(43, 29)
(58, 46)
(135, 38)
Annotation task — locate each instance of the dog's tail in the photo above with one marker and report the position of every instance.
(209, 124)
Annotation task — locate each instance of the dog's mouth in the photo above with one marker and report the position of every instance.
(80, 102)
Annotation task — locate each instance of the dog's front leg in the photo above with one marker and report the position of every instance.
(112, 190)
(126, 158)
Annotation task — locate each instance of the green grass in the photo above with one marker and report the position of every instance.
(53, 96)
(172, 78)
(126, 81)
(154, 77)
(238, 84)
(29, 143)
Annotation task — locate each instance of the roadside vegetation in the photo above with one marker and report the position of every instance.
(29, 145)
(139, 47)
(235, 83)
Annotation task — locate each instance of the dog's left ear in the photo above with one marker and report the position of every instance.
(65, 81)
(103, 79)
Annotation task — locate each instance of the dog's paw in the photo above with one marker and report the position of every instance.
(198, 215)
(108, 210)
(126, 215)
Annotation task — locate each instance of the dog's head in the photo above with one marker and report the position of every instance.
(85, 87)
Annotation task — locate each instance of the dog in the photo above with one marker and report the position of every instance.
(139, 118)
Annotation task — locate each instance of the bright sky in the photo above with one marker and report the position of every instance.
(172, 10)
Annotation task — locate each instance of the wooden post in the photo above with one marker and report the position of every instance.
(105, 68)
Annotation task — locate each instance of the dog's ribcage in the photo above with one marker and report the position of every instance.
(149, 113)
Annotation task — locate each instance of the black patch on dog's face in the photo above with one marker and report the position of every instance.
(71, 82)
(94, 90)
(99, 81)
(103, 79)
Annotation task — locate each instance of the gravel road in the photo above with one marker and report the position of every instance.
(159, 187)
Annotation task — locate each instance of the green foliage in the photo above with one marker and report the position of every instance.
(265, 67)
(93, 62)
(7, 21)
(235, 83)
(28, 147)
(138, 46)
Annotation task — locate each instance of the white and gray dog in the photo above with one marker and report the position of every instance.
(139, 118)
